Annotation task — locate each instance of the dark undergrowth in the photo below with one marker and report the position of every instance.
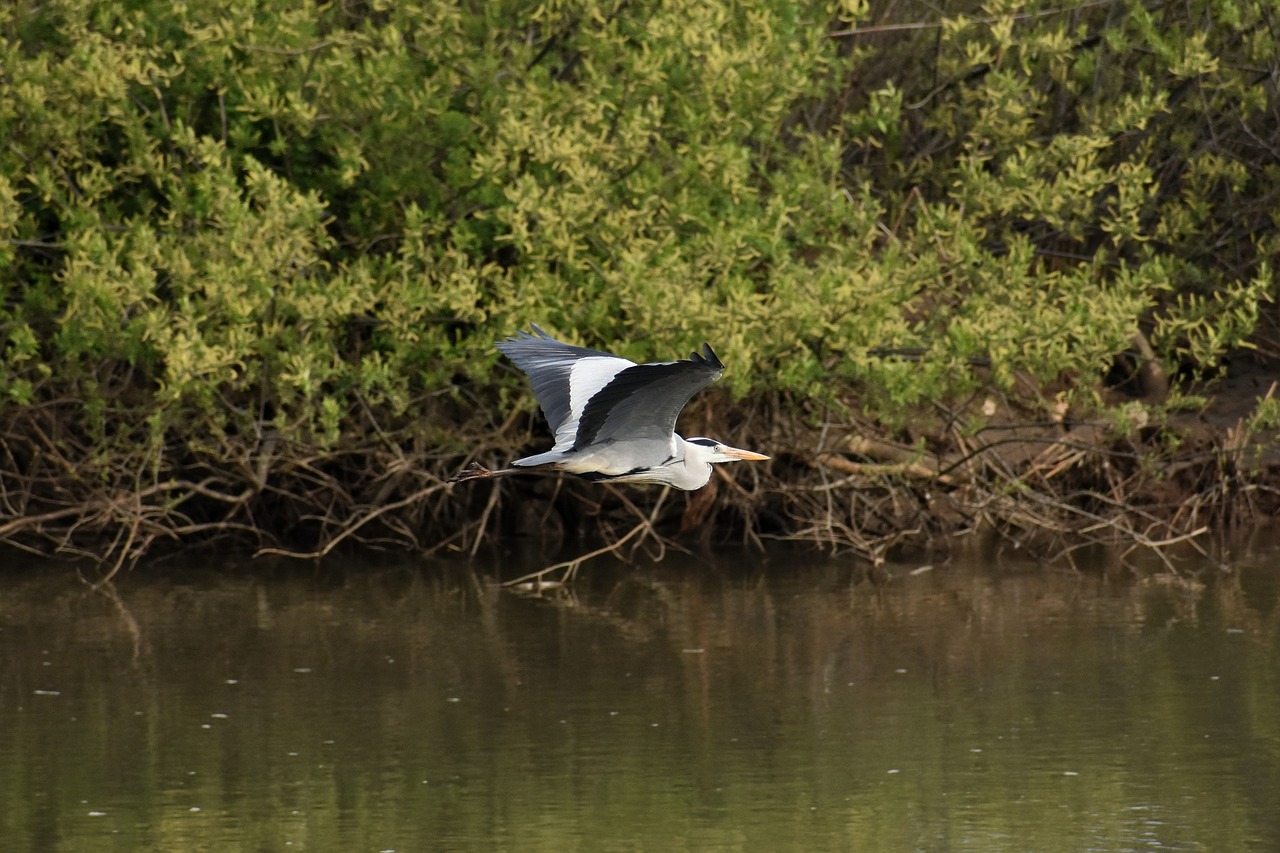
(1048, 487)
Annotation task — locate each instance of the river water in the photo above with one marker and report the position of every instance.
(731, 705)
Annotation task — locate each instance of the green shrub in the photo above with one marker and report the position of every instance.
(259, 214)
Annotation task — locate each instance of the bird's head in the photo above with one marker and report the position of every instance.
(711, 451)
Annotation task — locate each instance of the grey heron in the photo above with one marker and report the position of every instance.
(614, 419)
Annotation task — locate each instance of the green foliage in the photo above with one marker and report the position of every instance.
(262, 214)
(1267, 416)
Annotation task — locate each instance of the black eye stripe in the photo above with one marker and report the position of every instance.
(705, 442)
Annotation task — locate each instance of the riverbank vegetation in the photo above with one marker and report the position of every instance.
(1005, 269)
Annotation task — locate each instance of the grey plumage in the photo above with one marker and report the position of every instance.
(615, 419)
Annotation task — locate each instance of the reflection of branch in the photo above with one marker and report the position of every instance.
(106, 589)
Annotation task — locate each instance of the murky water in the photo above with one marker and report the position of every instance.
(684, 707)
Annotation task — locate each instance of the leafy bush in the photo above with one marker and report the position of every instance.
(231, 219)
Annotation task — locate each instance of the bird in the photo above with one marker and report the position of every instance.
(614, 420)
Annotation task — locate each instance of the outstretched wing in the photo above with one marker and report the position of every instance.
(642, 402)
(564, 377)
(593, 397)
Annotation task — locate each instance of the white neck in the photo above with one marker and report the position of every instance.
(691, 467)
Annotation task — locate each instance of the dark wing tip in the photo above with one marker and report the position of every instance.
(707, 357)
(521, 335)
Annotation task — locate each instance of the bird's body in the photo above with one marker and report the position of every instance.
(614, 419)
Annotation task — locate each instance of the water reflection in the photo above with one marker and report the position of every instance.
(687, 707)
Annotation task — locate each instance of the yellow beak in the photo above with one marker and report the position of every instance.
(742, 455)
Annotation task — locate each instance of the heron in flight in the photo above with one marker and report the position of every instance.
(614, 419)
